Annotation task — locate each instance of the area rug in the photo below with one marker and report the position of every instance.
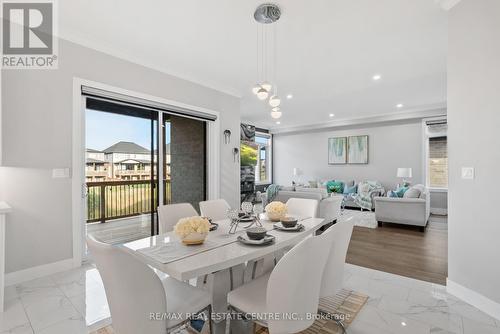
(345, 305)
(360, 218)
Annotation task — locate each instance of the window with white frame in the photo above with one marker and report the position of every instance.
(263, 169)
(436, 142)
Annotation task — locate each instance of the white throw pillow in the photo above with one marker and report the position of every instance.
(412, 193)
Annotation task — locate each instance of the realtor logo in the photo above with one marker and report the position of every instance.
(28, 31)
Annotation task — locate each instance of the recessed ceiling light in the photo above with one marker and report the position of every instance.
(289, 96)
(377, 77)
(278, 122)
(400, 105)
(331, 115)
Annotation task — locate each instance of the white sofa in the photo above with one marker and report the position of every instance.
(409, 210)
(329, 206)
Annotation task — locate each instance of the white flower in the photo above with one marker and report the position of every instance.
(277, 208)
(188, 225)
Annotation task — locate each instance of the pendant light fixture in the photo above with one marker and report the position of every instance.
(267, 86)
(262, 94)
(274, 101)
(276, 113)
(267, 14)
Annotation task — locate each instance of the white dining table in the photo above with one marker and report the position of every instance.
(224, 263)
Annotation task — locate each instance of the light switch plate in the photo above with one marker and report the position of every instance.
(467, 173)
(60, 173)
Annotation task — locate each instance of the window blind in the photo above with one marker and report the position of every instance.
(144, 103)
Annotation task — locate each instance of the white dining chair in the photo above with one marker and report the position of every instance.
(214, 209)
(302, 207)
(333, 275)
(134, 292)
(291, 288)
(169, 215)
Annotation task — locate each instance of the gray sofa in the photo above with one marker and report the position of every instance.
(412, 209)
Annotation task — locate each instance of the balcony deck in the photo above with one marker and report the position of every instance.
(122, 230)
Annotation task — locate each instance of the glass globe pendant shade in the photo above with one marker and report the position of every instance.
(276, 114)
(274, 101)
(256, 88)
(267, 86)
(262, 94)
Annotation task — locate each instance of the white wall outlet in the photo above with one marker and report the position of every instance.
(60, 173)
(467, 173)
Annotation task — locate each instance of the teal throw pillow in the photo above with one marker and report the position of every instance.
(350, 190)
(392, 194)
(401, 191)
(335, 187)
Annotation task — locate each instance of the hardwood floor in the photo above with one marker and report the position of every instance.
(402, 250)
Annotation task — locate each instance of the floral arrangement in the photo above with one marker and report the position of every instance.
(196, 224)
(276, 210)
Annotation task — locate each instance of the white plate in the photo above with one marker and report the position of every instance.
(296, 228)
(266, 240)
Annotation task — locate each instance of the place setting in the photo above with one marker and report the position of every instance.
(255, 233)
(256, 236)
(289, 224)
(276, 212)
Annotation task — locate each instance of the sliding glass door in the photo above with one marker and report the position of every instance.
(121, 171)
(127, 148)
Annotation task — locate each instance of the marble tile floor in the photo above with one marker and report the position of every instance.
(74, 302)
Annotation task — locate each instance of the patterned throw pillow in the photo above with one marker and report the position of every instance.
(335, 187)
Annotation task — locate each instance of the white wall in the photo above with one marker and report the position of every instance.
(37, 136)
(474, 121)
(439, 202)
(390, 146)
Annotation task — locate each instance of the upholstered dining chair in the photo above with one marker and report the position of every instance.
(169, 215)
(134, 292)
(333, 275)
(302, 207)
(214, 209)
(291, 288)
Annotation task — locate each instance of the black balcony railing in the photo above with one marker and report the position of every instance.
(118, 199)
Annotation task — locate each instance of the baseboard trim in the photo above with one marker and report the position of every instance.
(439, 211)
(25, 275)
(474, 298)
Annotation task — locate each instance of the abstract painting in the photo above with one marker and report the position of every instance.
(358, 149)
(337, 150)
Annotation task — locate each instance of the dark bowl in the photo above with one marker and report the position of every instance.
(289, 222)
(256, 233)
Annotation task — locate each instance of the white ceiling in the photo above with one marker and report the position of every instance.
(328, 50)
